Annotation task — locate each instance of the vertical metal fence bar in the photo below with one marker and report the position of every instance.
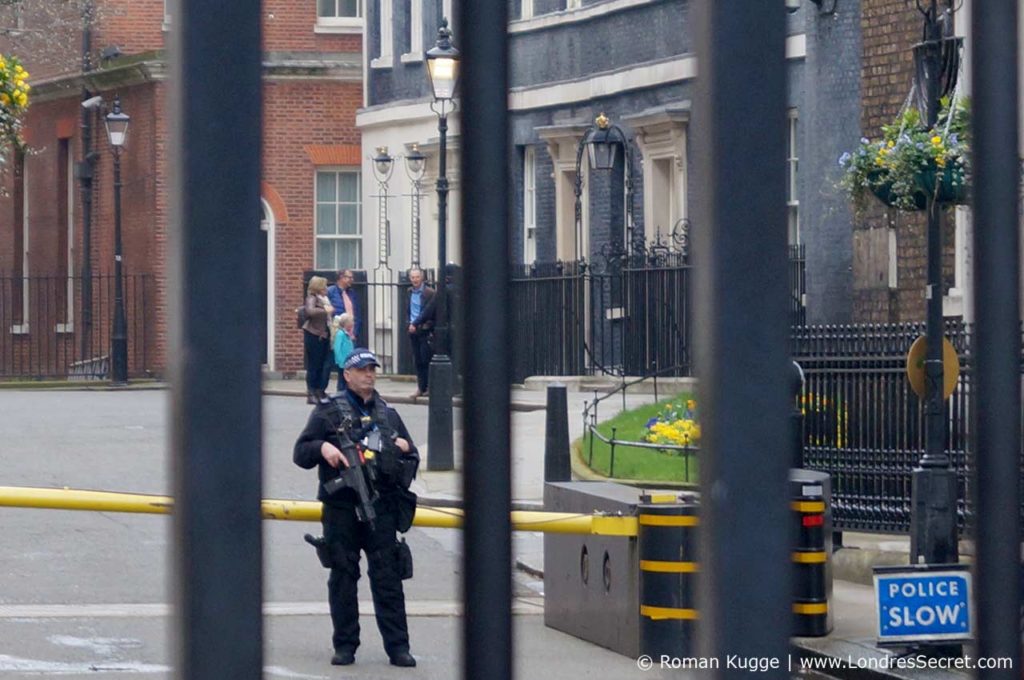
(741, 102)
(216, 119)
(487, 580)
(997, 328)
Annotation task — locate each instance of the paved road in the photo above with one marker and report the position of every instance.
(85, 594)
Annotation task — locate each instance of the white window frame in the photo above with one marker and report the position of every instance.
(386, 23)
(358, 237)
(573, 4)
(167, 16)
(529, 204)
(526, 9)
(340, 24)
(792, 178)
(415, 53)
(23, 327)
(69, 325)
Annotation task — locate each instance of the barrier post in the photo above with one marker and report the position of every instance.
(667, 546)
(812, 553)
(556, 436)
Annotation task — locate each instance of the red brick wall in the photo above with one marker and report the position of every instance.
(288, 26)
(52, 41)
(299, 114)
(889, 29)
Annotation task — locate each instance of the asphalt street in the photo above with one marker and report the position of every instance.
(86, 594)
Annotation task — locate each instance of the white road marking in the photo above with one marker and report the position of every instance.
(100, 646)
(38, 666)
(416, 608)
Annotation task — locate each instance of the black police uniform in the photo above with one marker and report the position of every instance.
(346, 535)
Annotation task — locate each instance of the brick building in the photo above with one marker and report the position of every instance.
(890, 247)
(55, 263)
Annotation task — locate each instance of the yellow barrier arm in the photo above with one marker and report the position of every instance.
(307, 511)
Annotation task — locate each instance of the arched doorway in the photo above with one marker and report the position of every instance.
(267, 288)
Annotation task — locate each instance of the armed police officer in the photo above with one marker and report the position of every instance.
(355, 435)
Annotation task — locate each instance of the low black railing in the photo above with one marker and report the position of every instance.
(864, 424)
(60, 326)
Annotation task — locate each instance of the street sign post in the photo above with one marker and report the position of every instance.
(921, 604)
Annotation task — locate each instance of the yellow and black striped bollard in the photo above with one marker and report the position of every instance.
(667, 545)
(812, 612)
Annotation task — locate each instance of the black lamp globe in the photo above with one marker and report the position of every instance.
(443, 64)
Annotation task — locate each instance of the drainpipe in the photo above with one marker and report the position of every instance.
(85, 171)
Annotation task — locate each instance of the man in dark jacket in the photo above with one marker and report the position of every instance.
(329, 442)
(421, 326)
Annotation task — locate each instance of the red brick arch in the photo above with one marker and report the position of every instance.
(275, 202)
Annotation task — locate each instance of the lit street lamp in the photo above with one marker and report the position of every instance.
(117, 134)
(443, 71)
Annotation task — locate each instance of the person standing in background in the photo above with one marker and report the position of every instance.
(316, 339)
(421, 326)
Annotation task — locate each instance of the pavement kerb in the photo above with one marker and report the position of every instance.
(523, 406)
(83, 385)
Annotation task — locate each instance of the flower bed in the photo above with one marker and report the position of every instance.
(675, 425)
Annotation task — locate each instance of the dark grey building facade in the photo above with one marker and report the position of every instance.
(632, 61)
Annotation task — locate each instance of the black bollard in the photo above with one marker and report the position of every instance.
(556, 436)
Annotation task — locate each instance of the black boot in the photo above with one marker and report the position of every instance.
(343, 657)
(404, 659)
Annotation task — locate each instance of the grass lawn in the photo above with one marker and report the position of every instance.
(638, 463)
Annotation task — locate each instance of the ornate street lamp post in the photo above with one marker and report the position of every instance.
(383, 165)
(934, 486)
(117, 134)
(443, 71)
(415, 162)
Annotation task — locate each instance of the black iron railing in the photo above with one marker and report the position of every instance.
(863, 422)
(59, 326)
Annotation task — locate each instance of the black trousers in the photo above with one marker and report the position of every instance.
(346, 536)
(421, 355)
(318, 351)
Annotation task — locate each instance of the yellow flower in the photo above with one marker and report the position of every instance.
(891, 144)
(936, 140)
(691, 404)
(4, 98)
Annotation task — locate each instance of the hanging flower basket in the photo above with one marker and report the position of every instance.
(912, 162)
(14, 89)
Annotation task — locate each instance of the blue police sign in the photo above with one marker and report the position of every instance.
(927, 603)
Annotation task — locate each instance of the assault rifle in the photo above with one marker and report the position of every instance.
(360, 475)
